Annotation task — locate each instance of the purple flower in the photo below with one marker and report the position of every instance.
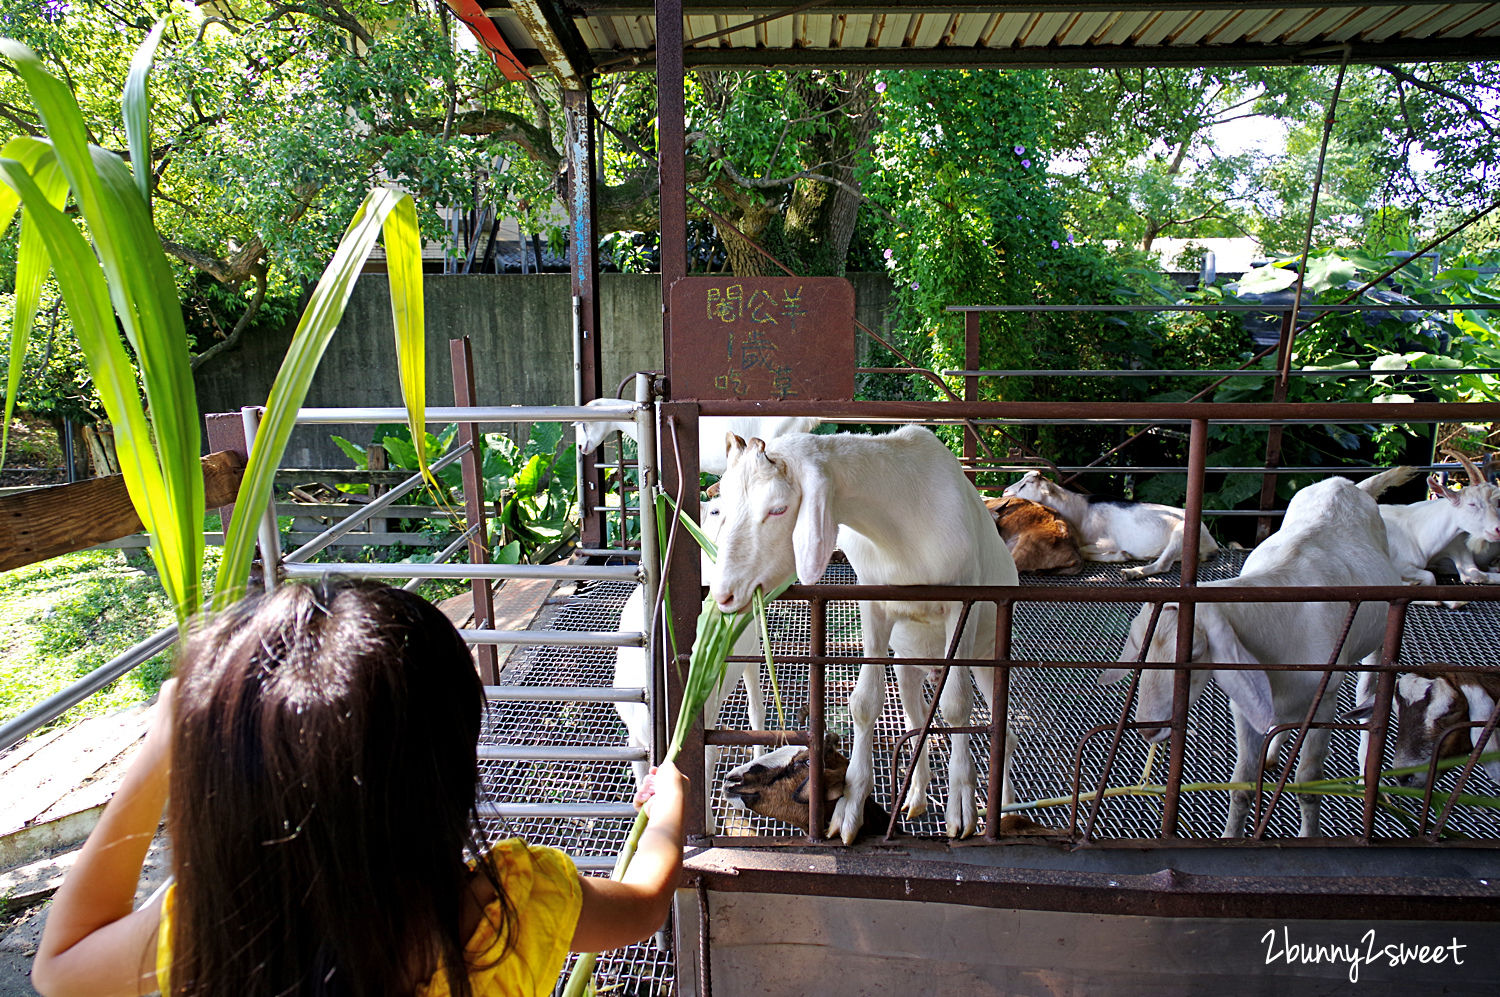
(1054, 244)
(880, 87)
(915, 286)
(1020, 150)
(889, 254)
(1070, 238)
(1026, 163)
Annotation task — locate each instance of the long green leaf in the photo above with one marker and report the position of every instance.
(140, 286)
(324, 310)
(403, 250)
(32, 265)
(135, 109)
(83, 287)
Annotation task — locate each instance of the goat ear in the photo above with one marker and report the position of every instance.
(1250, 691)
(814, 534)
(734, 448)
(1359, 713)
(1112, 675)
(1435, 483)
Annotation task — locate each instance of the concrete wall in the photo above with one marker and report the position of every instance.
(521, 327)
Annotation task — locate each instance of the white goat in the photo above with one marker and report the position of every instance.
(1421, 532)
(632, 670)
(1117, 529)
(1332, 535)
(712, 431)
(908, 517)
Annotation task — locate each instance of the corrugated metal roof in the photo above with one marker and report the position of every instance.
(600, 36)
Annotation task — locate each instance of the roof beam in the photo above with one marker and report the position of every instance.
(634, 8)
(1079, 57)
(558, 41)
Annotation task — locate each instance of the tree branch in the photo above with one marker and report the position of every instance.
(1443, 92)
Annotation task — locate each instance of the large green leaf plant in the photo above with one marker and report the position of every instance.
(117, 284)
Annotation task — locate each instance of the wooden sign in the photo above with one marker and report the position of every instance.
(763, 338)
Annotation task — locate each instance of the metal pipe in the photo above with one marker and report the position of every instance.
(563, 694)
(555, 638)
(563, 811)
(379, 505)
(817, 692)
(487, 414)
(999, 716)
(268, 539)
(558, 753)
(1340, 373)
(444, 554)
(1181, 678)
(559, 572)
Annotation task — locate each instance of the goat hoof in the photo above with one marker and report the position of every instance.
(963, 820)
(847, 820)
(916, 803)
(1131, 574)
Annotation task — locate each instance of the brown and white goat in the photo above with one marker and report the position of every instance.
(1040, 541)
(1117, 529)
(775, 786)
(1427, 706)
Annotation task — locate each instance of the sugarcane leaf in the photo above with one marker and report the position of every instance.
(319, 320)
(32, 264)
(135, 109)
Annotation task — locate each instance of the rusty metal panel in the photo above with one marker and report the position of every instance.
(762, 338)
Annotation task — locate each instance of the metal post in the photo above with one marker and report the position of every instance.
(270, 538)
(462, 358)
(584, 246)
(684, 585)
(971, 391)
(672, 145)
(1380, 716)
(999, 714)
(1192, 518)
(816, 694)
(650, 566)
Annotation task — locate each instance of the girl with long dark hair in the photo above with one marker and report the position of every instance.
(319, 753)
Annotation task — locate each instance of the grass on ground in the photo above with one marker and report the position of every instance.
(62, 618)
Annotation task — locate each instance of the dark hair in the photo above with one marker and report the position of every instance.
(324, 774)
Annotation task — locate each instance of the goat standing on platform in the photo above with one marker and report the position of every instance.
(1117, 529)
(712, 431)
(904, 514)
(1332, 536)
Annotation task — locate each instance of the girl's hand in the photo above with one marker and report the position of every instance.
(664, 783)
(156, 750)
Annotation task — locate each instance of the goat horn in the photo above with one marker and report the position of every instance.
(1475, 477)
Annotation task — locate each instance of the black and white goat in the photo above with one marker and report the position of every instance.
(1117, 529)
(1332, 535)
(904, 514)
(712, 431)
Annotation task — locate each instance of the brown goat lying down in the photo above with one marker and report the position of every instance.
(775, 785)
(1040, 540)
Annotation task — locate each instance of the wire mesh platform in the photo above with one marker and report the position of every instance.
(1049, 710)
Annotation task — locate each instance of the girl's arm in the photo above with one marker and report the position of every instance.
(94, 943)
(632, 909)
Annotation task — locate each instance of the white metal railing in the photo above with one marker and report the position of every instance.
(294, 565)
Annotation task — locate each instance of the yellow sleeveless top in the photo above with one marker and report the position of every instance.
(542, 886)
